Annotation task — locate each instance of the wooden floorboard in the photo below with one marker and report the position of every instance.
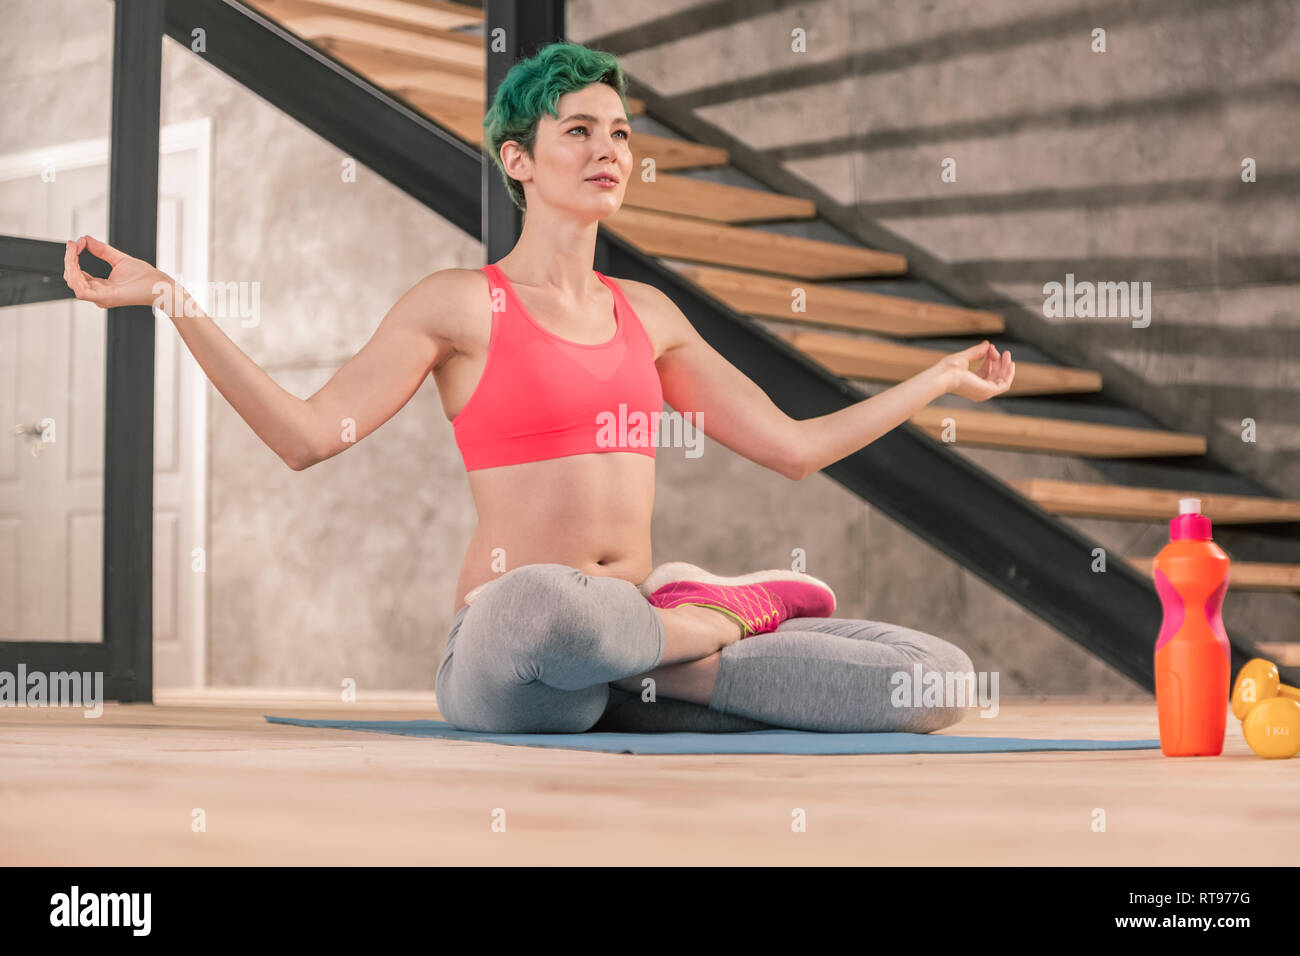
(121, 789)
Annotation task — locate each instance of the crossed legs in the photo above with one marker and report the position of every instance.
(548, 648)
(822, 674)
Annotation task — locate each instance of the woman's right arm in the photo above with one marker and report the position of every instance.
(361, 396)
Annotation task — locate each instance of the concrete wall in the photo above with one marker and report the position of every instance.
(346, 570)
(56, 72)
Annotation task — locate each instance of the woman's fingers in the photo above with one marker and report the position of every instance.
(977, 354)
(88, 293)
(72, 270)
(103, 251)
(995, 371)
(1000, 367)
(84, 287)
(72, 274)
(992, 362)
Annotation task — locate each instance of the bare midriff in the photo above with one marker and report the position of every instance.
(591, 512)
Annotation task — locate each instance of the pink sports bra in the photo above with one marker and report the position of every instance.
(541, 396)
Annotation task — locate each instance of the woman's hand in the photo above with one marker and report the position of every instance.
(993, 377)
(131, 281)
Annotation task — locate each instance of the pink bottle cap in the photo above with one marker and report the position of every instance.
(1190, 523)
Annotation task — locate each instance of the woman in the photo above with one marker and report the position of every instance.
(523, 351)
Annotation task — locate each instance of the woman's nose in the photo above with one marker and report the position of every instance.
(608, 146)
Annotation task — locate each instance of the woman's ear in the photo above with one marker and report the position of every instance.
(515, 161)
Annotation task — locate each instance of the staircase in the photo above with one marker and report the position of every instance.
(853, 312)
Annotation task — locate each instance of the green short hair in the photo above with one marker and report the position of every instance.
(533, 87)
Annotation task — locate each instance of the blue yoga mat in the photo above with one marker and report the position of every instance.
(745, 742)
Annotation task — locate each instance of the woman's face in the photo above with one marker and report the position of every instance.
(590, 137)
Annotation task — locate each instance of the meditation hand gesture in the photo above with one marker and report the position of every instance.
(993, 377)
(131, 281)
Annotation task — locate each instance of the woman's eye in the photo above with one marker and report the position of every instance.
(584, 129)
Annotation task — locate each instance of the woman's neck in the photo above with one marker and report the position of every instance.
(555, 255)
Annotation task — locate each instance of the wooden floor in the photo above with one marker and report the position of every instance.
(122, 789)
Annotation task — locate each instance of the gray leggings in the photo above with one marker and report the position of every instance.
(537, 651)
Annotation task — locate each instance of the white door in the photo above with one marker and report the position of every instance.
(52, 383)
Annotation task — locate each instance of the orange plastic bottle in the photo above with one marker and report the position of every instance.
(1192, 654)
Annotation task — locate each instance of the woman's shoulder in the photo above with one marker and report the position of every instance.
(456, 281)
(459, 292)
(456, 305)
(646, 300)
(656, 312)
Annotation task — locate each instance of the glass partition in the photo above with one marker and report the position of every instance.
(56, 71)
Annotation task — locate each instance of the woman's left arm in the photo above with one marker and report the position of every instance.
(739, 415)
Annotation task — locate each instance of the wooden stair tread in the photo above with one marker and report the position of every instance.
(463, 119)
(361, 38)
(414, 50)
(775, 296)
(700, 241)
(435, 82)
(683, 196)
(393, 13)
(1281, 653)
(1243, 575)
(1056, 435)
(669, 153)
(405, 61)
(371, 62)
(891, 362)
(448, 49)
(1093, 500)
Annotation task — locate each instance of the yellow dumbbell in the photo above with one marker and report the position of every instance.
(1258, 680)
(1272, 727)
(1269, 710)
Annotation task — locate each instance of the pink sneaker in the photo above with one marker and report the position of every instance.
(759, 601)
